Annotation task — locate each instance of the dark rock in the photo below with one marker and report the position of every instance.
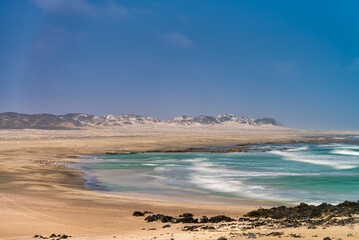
(208, 228)
(204, 219)
(243, 219)
(221, 238)
(166, 226)
(138, 214)
(252, 236)
(220, 218)
(191, 228)
(327, 238)
(303, 211)
(312, 226)
(186, 218)
(275, 234)
(186, 215)
(159, 217)
(293, 235)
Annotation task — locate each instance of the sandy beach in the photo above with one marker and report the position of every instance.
(38, 195)
(171, 120)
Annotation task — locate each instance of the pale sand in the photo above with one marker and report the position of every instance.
(39, 196)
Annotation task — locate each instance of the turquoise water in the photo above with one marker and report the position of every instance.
(312, 173)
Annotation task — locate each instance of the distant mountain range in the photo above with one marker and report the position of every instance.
(10, 120)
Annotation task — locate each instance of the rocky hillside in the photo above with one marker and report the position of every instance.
(10, 120)
(223, 118)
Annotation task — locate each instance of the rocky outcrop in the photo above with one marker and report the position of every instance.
(223, 118)
(39, 121)
(305, 211)
(267, 121)
(194, 120)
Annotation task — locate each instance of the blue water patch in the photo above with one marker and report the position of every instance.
(312, 173)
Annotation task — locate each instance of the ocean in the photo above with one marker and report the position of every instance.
(311, 173)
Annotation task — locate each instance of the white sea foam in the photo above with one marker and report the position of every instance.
(228, 173)
(164, 160)
(205, 167)
(347, 146)
(245, 153)
(195, 159)
(220, 170)
(219, 179)
(216, 184)
(87, 157)
(345, 152)
(215, 178)
(304, 148)
(233, 187)
(246, 190)
(159, 169)
(313, 159)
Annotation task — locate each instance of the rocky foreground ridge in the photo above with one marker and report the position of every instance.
(10, 120)
(276, 222)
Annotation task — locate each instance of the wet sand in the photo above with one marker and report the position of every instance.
(38, 195)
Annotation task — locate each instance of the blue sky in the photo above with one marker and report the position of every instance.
(295, 61)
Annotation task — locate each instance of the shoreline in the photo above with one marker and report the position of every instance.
(93, 183)
(39, 196)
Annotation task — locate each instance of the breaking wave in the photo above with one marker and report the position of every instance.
(315, 159)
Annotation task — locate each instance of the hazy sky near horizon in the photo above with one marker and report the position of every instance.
(295, 61)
